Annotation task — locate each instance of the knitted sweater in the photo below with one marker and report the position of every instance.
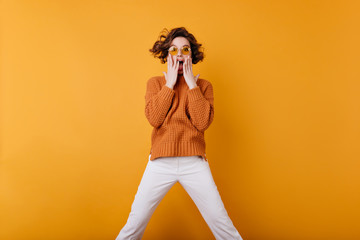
(179, 116)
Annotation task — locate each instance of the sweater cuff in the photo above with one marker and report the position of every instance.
(166, 93)
(195, 94)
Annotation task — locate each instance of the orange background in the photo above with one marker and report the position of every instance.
(283, 147)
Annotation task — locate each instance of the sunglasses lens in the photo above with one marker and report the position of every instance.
(173, 51)
(185, 50)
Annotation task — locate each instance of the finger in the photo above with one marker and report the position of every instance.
(197, 77)
(173, 62)
(187, 65)
(177, 65)
(184, 67)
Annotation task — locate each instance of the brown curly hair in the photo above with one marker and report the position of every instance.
(161, 46)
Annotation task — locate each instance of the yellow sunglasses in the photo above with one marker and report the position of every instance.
(184, 50)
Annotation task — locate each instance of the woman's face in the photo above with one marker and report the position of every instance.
(179, 43)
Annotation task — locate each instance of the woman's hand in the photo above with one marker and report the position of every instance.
(171, 75)
(188, 73)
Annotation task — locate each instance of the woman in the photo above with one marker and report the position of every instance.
(180, 107)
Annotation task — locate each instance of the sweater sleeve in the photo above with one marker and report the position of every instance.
(201, 107)
(157, 102)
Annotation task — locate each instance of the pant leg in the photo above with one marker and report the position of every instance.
(155, 183)
(197, 180)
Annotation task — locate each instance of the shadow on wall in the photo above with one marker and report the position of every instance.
(228, 137)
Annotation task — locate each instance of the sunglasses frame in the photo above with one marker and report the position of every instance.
(181, 49)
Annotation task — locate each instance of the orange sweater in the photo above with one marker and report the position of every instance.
(179, 116)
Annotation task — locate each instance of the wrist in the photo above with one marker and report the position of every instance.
(169, 86)
(192, 86)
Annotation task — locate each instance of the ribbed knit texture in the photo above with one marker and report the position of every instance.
(179, 116)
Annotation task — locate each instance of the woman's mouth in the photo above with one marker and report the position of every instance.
(180, 65)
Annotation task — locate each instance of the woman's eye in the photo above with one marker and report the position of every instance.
(173, 51)
(186, 50)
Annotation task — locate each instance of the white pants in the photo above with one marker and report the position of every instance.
(193, 173)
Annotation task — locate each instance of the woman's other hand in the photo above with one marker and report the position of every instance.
(188, 73)
(171, 75)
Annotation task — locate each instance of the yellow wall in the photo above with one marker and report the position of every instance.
(283, 147)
